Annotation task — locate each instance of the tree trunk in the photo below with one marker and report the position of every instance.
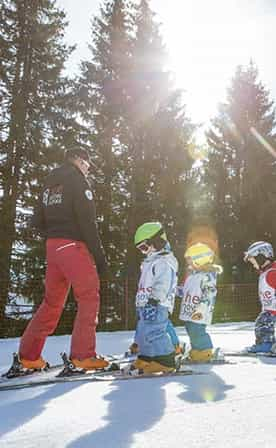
(14, 150)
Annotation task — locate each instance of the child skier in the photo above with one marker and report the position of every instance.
(198, 293)
(155, 300)
(134, 349)
(260, 255)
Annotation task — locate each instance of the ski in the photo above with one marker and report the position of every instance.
(250, 354)
(62, 373)
(217, 359)
(52, 370)
(212, 362)
(44, 379)
(122, 358)
(120, 376)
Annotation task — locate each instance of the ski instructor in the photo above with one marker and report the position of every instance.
(66, 216)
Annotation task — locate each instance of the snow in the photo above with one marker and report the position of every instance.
(230, 406)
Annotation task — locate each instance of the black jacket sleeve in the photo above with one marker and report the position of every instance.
(85, 211)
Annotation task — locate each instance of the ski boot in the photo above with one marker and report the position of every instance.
(191, 356)
(208, 355)
(262, 347)
(201, 355)
(151, 366)
(78, 367)
(23, 367)
(94, 363)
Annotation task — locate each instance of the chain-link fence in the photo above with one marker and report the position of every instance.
(235, 302)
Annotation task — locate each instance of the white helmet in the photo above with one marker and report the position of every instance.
(259, 248)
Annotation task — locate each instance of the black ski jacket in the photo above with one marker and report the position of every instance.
(66, 209)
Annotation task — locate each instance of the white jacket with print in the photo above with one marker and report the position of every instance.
(158, 279)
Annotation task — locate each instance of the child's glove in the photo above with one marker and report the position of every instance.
(134, 348)
(150, 309)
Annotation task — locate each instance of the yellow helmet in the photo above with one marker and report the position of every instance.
(200, 253)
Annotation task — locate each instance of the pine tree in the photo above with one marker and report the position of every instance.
(137, 128)
(35, 122)
(240, 170)
(101, 94)
(158, 136)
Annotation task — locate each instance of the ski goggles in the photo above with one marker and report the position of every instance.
(144, 247)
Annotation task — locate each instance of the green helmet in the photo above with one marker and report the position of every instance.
(147, 231)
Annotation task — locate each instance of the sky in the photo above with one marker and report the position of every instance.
(206, 41)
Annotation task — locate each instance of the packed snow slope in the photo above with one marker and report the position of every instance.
(230, 406)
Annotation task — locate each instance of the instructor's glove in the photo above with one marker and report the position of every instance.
(134, 348)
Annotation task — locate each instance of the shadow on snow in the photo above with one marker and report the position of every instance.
(136, 408)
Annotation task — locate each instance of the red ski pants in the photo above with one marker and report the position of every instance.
(68, 263)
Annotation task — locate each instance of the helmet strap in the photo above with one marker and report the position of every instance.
(158, 242)
(261, 260)
(266, 264)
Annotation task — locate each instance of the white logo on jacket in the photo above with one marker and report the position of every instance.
(198, 297)
(267, 293)
(45, 197)
(89, 195)
(53, 195)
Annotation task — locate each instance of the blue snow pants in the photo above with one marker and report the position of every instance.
(151, 331)
(172, 333)
(264, 327)
(199, 338)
